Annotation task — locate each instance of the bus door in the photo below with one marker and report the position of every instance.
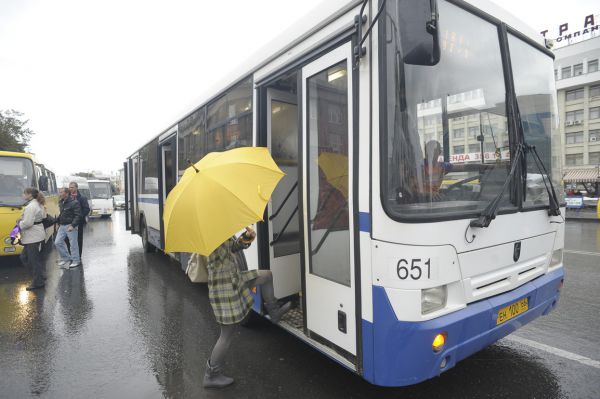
(284, 233)
(134, 187)
(167, 149)
(327, 203)
(127, 192)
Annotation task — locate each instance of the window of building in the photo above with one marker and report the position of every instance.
(474, 131)
(474, 148)
(594, 158)
(574, 117)
(556, 74)
(577, 69)
(565, 73)
(574, 159)
(459, 149)
(594, 91)
(595, 113)
(575, 94)
(574, 138)
(592, 66)
(458, 133)
(595, 135)
(489, 147)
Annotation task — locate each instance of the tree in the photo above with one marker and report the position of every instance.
(14, 136)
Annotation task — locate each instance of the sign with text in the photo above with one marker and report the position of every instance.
(572, 32)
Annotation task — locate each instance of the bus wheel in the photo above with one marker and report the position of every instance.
(148, 248)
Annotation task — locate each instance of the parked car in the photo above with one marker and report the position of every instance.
(118, 201)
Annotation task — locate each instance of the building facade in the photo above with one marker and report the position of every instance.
(577, 73)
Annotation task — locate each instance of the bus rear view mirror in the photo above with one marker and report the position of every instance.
(419, 36)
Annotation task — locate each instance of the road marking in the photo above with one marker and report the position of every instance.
(570, 251)
(555, 351)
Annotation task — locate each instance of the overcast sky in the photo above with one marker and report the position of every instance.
(97, 79)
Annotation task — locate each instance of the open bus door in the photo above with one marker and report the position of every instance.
(167, 151)
(127, 195)
(327, 141)
(284, 232)
(133, 179)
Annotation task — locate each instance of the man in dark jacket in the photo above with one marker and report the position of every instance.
(68, 224)
(85, 210)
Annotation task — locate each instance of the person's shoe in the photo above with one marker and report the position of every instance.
(214, 378)
(63, 264)
(74, 265)
(34, 287)
(276, 312)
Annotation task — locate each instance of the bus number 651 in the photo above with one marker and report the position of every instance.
(413, 269)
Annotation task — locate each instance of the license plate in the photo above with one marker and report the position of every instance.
(513, 310)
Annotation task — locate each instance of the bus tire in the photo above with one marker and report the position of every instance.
(148, 248)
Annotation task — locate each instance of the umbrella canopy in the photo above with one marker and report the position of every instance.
(217, 197)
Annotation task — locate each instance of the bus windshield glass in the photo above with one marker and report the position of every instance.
(100, 190)
(16, 174)
(445, 142)
(536, 97)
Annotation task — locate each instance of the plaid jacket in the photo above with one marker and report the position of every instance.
(228, 290)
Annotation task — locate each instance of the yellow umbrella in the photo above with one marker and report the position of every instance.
(218, 196)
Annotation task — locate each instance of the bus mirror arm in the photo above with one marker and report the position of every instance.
(359, 50)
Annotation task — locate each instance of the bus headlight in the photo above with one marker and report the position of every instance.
(557, 258)
(433, 299)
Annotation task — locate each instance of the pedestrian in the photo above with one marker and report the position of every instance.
(231, 301)
(33, 235)
(69, 222)
(85, 211)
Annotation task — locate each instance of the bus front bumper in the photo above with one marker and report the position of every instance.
(397, 353)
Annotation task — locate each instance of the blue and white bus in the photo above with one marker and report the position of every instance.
(417, 222)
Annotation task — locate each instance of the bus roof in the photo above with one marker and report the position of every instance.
(16, 154)
(312, 22)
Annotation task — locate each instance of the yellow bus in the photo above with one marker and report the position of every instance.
(18, 171)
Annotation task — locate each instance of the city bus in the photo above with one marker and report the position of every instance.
(18, 171)
(101, 202)
(410, 230)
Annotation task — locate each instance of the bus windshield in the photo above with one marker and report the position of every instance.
(445, 131)
(100, 190)
(16, 174)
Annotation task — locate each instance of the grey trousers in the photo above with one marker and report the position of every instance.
(32, 258)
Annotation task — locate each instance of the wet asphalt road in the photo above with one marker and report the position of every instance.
(130, 325)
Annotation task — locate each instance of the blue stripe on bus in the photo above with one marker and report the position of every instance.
(148, 200)
(398, 353)
(364, 222)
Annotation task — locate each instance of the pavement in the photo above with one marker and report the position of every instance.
(130, 325)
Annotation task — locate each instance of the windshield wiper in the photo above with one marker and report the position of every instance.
(490, 211)
(552, 198)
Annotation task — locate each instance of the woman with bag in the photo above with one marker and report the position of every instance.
(33, 235)
(231, 301)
